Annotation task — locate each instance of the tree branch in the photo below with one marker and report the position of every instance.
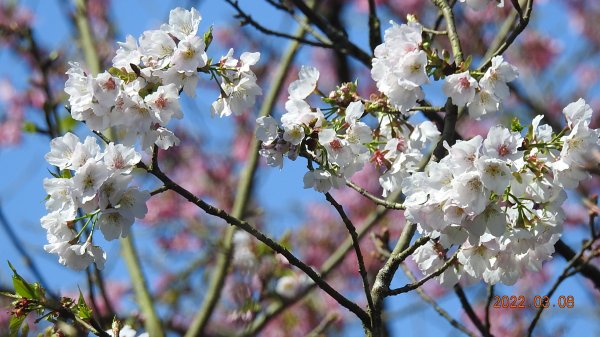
(415, 285)
(436, 307)
(469, 310)
(337, 37)
(355, 243)
(381, 202)
(152, 322)
(451, 28)
(328, 266)
(246, 19)
(374, 26)
(573, 263)
(523, 22)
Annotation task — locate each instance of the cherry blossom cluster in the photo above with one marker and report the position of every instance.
(339, 141)
(483, 97)
(399, 66)
(136, 98)
(139, 95)
(499, 199)
(92, 187)
(404, 62)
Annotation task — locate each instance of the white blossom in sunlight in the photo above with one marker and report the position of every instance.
(460, 88)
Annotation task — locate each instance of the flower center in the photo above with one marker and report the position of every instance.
(336, 144)
(503, 150)
(161, 102)
(464, 83)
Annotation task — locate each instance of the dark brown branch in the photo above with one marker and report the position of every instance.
(246, 19)
(573, 263)
(436, 306)
(374, 26)
(379, 201)
(339, 39)
(488, 304)
(469, 310)
(189, 196)
(449, 132)
(415, 285)
(356, 244)
(523, 22)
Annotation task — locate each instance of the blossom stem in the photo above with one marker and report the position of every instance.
(451, 28)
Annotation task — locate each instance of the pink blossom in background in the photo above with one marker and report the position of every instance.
(400, 7)
(490, 14)
(538, 51)
(182, 241)
(14, 16)
(10, 133)
(168, 206)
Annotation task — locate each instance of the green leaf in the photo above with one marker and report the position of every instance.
(14, 325)
(515, 125)
(467, 63)
(22, 288)
(115, 71)
(82, 310)
(67, 123)
(29, 127)
(208, 37)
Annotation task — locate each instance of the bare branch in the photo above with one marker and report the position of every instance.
(469, 310)
(379, 201)
(246, 19)
(436, 307)
(415, 285)
(374, 26)
(356, 244)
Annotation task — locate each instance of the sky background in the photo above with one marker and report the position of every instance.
(22, 168)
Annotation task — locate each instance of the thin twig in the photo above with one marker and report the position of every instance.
(523, 22)
(469, 310)
(241, 224)
(341, 41)
(563, 276)
(356, 244)
(246, 19)
(488, 304)
(159, 190)
(323, 325)
(334, 260)
(374, 26)
(434, 32)
(379, 201)
(415, 285)
(436, 307)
